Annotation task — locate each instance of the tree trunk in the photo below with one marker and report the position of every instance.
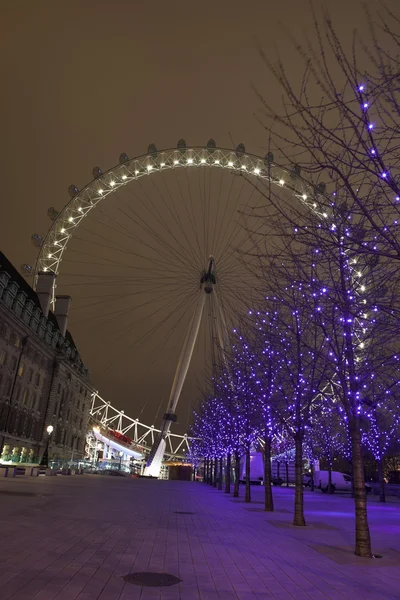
(237, 475)
(206, 471)
(220, 475)
(382, 494)
(215, 473)
(330, 488)
(299, 519)
(228, 475)
(268, 498)
(210, 479)
(363, 540)
(312, 475)
(247, 496)
(287, 473)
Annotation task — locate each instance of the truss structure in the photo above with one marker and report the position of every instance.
(143, 436)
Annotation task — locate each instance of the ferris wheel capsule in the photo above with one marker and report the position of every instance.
(73, 191)
(123, 158)
(268, 159)
(26, 269)
(320, 188)
(52, 213)
(296, 171)
(181, 145)
(211, 145)
(240, 150)
(36, 240)
(97, 172)
(152, 150)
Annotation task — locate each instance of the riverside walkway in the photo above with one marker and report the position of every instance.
(70, 538)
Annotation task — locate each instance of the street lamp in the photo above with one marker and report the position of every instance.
(120, 460)
(45, 458)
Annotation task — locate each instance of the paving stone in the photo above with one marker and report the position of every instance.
(74, 539)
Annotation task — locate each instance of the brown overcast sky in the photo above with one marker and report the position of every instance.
(84, 80)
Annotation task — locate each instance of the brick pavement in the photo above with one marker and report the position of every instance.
(70, 538)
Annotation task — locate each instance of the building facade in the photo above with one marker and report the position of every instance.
(43, 380)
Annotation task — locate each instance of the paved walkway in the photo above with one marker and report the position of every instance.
(70, 538)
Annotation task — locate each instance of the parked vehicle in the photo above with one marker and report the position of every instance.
(279, 470)
(341, 482)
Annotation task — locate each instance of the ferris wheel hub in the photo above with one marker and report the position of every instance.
(208, 278)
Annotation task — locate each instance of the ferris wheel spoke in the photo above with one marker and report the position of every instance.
(185, 303)
(177, 220)
(162, 222)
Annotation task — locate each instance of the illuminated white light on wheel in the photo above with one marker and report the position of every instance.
(304, 196)
(216, 162)
(230, 164)
(176, 162)
(49, 256)
(62, 230)
(136, 172)
(112, 183)
(203, 160)
(124, 177)
(71, 219)
(257, 171)
(80, 209)
(162, 164)
(149, 167)
(244, 167)
(282, 182)
(190, 161)
(100, 192)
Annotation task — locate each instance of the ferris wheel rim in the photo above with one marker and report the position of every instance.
(49, 259)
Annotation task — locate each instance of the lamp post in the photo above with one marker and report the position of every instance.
(45, 458)
(120, 460)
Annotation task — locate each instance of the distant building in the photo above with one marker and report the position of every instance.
(43, 380)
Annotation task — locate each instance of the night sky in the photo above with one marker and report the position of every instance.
(83, 82)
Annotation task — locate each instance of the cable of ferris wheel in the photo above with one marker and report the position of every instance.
(176, 217)
(121, 296)
(141, 241)
(119, 248)
(113, 262)
(186, 302)
(221, 251)
(161, 221)
(141, 224)
(126, 251)
(157, 237)
(144, 224)
(128, 311)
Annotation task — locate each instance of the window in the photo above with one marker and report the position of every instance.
(3, 357)
(17, 393)
(25, 397)
(21, 370)
(8, 386)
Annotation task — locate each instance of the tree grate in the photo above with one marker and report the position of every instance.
(148, 579)
(183, 512)
(12, 493)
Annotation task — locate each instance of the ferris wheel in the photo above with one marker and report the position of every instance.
(163, 265)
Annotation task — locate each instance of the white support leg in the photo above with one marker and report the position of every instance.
(153, 467)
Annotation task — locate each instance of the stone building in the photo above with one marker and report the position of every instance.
(43, 380)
